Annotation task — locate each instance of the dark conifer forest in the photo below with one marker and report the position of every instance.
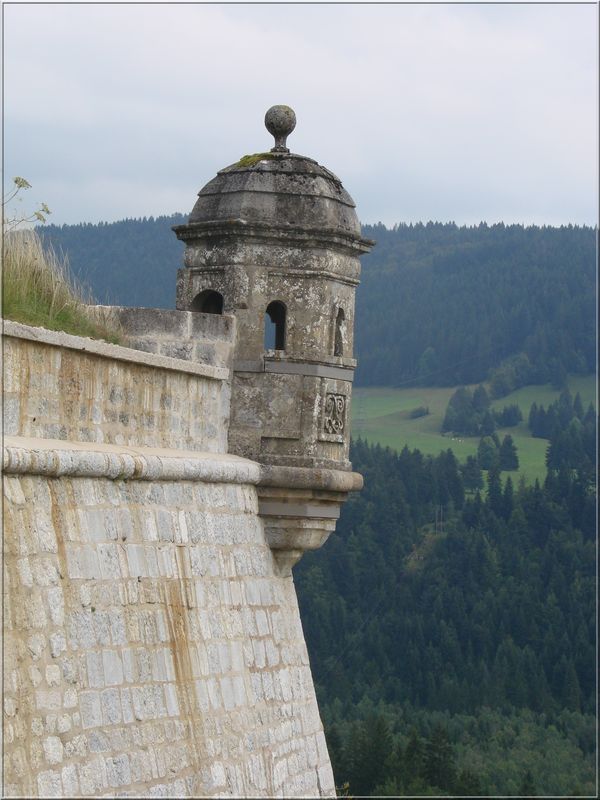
(441, 619)
(444, 305)
(450, 619)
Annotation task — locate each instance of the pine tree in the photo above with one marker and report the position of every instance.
(486, 452)
(459, 412)
(527, 788)
(532, 419)
(508, 499)
(565, 408)
(488, 426)
(571, 688)
(439, 767)
(468, 784)
(471, 474)
(540, 426)
(414, 758)
(550, 422)
(353, 757)
(590, 415)
(494, 492)
(335, 748)
(369, 751)
(508, 457)
(481, 400)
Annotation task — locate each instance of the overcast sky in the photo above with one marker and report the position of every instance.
(443, 112)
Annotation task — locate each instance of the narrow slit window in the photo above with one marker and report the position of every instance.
(340, 329)
(275, 326)
(208, 302)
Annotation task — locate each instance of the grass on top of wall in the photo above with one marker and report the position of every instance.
(38, 289)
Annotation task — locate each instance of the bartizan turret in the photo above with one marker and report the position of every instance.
(274, 240)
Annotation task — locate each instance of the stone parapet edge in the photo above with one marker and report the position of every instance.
(116, 352)
(54, 458)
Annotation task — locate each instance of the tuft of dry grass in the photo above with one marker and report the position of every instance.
(39, 289)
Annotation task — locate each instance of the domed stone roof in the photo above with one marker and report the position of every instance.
(278, 188)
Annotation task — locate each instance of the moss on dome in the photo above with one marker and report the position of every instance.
(251, 160)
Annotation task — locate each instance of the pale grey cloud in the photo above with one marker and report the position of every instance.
(425, 112)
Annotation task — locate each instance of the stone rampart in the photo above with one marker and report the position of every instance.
(58, 386)
(151, 645)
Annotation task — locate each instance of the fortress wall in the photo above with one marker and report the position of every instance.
(151, 646)
(58, 386)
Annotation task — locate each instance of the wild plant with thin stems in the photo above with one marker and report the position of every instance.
(38, 287)
(11, 223)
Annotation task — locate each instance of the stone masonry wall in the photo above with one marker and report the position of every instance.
(189, 335)
(55, 387)
(151, 646)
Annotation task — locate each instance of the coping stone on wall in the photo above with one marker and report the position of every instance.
(105, 350)
(158, 322)
(53, 458)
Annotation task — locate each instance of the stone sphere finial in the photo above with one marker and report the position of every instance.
(280, 121)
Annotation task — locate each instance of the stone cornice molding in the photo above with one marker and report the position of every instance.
(307, 273)
(330, 480)
(55, 458)
(268, 233)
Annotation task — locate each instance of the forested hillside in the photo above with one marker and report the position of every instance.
(438, 304)
(133, 262)
(475, 615)
(444, 304)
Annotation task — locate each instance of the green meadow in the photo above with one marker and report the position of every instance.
(383, 415)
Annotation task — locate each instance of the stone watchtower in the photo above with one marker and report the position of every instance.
(274, 240)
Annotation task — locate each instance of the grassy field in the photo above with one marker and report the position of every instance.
(383, 415)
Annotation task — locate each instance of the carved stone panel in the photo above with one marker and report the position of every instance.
(335, 413)
(334, 417)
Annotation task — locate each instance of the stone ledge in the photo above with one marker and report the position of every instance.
(334, 480)
(114, 351)
(160, 322)
(277, 508)
(54, 458)
(301, 235)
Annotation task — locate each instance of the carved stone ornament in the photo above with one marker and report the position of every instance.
(335, 413)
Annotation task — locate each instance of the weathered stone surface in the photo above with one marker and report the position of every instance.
(107, 350)
(280, 121)
(185, 335)
(54, 458)
(71, 388)
(166, 657)
(153, 645)
(279, 229)
(276, 238)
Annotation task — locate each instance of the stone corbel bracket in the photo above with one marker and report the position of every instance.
(300, 507)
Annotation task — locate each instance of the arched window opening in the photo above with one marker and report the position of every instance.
(208, 302)
(340, 330)
(275, 326)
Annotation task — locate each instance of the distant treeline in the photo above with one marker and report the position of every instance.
(438, 304)
(469, 413)
(446, 305)
(132, 262)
